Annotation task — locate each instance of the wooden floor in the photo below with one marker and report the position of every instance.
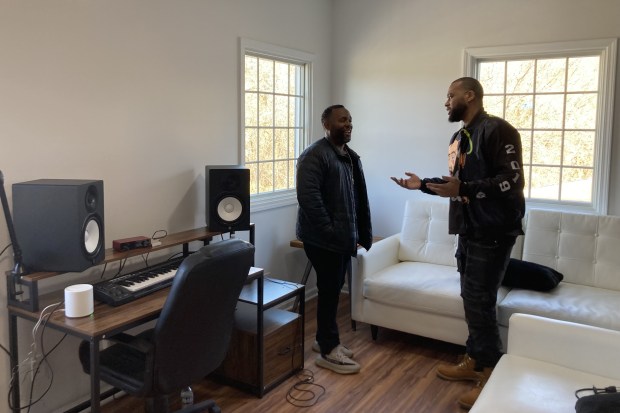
(398, 375)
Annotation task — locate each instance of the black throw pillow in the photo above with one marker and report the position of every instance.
(531, 276)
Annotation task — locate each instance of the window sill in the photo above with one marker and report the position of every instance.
(265, 202)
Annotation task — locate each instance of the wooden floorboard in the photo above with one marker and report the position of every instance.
(398, 375)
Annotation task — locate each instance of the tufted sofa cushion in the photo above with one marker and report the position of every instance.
(582, 247)
(424, 235)
(569, 302)
(585, 249)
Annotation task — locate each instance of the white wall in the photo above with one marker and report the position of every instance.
(142, 94)
(393, 63)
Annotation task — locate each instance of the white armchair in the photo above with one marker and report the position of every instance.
(547, 360)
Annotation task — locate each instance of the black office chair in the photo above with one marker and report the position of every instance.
(192, 334)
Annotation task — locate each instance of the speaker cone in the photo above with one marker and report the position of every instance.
(92, 236)
(229, 209)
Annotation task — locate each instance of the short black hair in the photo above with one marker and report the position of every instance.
(469, 83)
(328, 112)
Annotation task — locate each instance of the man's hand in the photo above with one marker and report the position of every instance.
(448, 189)
(413, 182)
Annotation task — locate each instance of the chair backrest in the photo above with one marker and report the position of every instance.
(193, 332)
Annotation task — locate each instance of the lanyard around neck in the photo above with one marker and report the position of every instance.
(471, 143)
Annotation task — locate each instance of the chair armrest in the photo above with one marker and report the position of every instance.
(381, 255)
(577, 346)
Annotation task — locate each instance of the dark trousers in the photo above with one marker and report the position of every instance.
(482, 263)
(330, 268)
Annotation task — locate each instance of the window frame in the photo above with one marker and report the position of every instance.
(259, 202)
(606, 49)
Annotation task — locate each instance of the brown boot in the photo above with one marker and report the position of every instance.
(462, 371)
(468, 399)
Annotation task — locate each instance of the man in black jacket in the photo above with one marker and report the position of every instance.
(485, 187)
(333, 218)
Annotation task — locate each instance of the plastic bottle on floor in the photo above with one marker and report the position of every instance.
(187, 397)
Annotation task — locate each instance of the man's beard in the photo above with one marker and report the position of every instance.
(456, 115)
(340, 138)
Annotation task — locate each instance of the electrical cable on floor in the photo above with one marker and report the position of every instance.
(305, 392)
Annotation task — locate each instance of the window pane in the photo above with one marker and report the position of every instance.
(520, 76)
(265, 110)
(526, 143)
(281, 175)
(291, 173)
(292, 133)
(519, 110)
(579, 148)
(494, 105)
(583, 74)
(253, 177)
(281, 77)
(251, 109)
(547, 148)
(281, 107)
(492, 76)
(251, 73)
(577, 185)
(550, 75)
(295, 111)
(251, 144)
(265, 75)
(281, 144)
(265, 177)
(581, 111)
(545, 183)
(294, 79)
(265, 145)
(549, 110)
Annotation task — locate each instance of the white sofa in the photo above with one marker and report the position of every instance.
(547, 361)
(409, 282)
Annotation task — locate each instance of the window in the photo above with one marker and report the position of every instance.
(560, 97)
(275, 113)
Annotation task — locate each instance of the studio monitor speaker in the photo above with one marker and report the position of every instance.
(228, 198)
(59, 223)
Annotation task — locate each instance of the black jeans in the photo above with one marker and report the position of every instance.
(330, 268)
(482, 264)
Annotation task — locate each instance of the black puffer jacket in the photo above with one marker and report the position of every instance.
(490, 200)
(332, 215)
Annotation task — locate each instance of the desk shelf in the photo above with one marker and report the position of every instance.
(267, 346)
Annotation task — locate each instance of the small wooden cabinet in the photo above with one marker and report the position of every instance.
(266, 347)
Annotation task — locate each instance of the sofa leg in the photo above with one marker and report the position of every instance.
(374, 330)
(353, 325)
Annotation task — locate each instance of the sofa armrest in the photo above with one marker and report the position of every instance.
(577, 346)
(381, 255)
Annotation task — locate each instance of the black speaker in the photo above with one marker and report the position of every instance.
(59, 223)
(227, 198)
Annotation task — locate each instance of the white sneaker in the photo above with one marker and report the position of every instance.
(344, 350)
(337, 362)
